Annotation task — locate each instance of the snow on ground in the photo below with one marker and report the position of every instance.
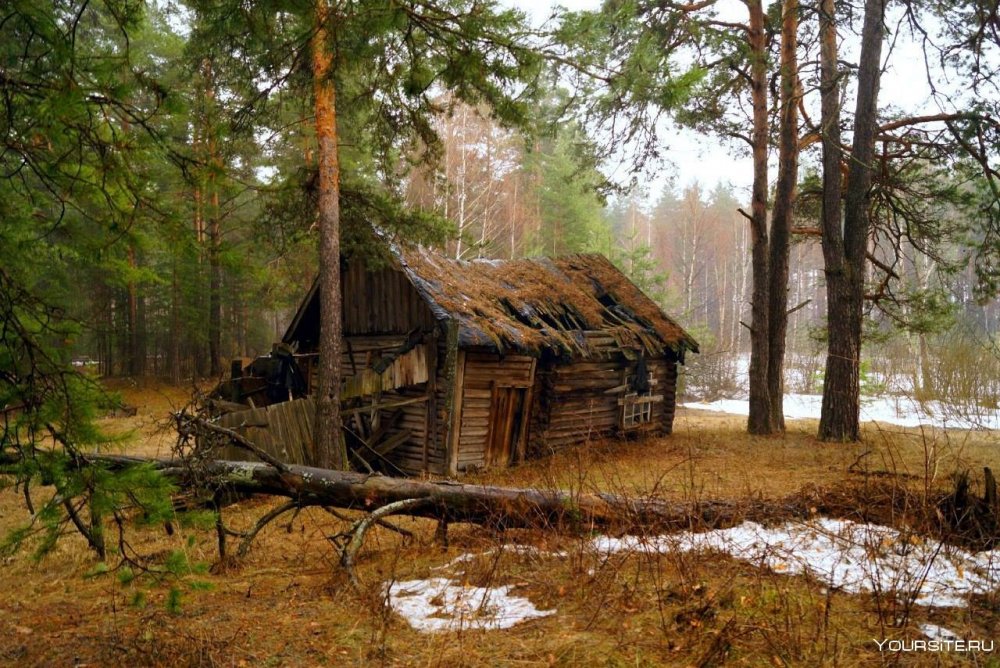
(444, 604)
(845, 555)
(900, 411)
(935, 632)
(440, 604)
(521, 550)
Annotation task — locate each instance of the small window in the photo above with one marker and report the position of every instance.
(637, 407)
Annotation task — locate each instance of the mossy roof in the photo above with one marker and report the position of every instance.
(572, 304)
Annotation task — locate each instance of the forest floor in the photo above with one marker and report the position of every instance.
(289, 604)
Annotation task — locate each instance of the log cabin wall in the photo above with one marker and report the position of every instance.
(577, 401)
(380, 307)
(376, 303)
(425, 421)
(382, 301)
(494, 409)
(669, 385)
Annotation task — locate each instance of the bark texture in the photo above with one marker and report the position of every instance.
(505, 507)
(781, 216)
(845, 255)
(330, 450)
(759, 419)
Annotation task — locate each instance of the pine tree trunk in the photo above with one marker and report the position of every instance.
(132, 367)
(141, 336)
(195, 349)
(759, 420)
(174, 343)
(832, 238)
(781, 219)
(214, 286)
(840, 417)
(214, 231)
(106, 331)
(330, 448)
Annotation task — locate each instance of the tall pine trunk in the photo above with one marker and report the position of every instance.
(329, 447)
(214, 285)
(781, 217)
(174, 343)
(134, 343)
(759, 419)
(845, 255)
(214, 226)
(195, 351)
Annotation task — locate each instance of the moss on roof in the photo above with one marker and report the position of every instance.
(533, 304)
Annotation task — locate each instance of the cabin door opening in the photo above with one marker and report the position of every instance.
(506, 429)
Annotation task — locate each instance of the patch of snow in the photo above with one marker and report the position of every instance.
(845, 555)
(895, 410)
(522, 550)
(935, 632)
(460, 559)
(439, 604)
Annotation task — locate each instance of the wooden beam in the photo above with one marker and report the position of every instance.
(389, 406)
(430, 415)
(522, 439)
(456, 413)
(391, 443)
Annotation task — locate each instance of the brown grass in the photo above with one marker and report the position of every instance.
(288, 604)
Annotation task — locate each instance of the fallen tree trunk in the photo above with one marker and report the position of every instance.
(449, 501)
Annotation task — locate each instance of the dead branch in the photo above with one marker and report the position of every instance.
(382, 523)
(890, 272)
(800, 306)
(93, 538)
(356, 535)
(264, 520)
(238, 440)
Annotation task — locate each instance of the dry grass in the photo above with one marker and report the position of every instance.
(288, 604)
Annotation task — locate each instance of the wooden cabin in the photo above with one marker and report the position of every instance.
(452, 366)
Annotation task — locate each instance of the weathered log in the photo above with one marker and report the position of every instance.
(450, 501)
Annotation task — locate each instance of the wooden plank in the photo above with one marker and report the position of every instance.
(386, 406)
(529, 395)
(569, 418)
(512, 366)
(390, 444)
(430, 415)
(640, 400)
(456, 412)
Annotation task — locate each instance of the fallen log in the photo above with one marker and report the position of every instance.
(449, 501)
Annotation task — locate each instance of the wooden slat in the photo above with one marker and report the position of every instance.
(456, 412)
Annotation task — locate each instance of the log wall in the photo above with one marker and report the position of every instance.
(382, 301)
(480, 374)
(426, 422)
(669, 392)
(375, 303)
(578, 402)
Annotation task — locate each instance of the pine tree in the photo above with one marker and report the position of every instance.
(378, 65)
